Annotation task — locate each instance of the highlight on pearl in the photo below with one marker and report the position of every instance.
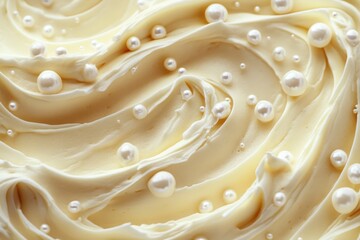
(279, 54)
(28, 21)
(45, 228)
(226, 78)
(74, 206)
(90, 73)
(279, 199)
(37, 48)
(158, 32)
(254, 37)
(229, 196)
(48, 31)
(221, 109)
(170, 64)
(281, 6)
(162, 184)
(251, 100)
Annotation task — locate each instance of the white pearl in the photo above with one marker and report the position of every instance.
(293, 83)
(281, 6)
(12, 72)
(338, 158)
(181, 71)
(162, 184)
(251, 100)
(47, 3)
(74, 206)
(49, 82)
(319, 35)
(279, 54)
(206, 206)
(28, 21)
(128, 153)
(264, 111)
(90, 73)
(242, 66)
(237, 4)
(45, 228)
(226, 78)
(257, 9)
(60, 51)
(10, 132)
(158, 32)
(242, 146)
(216, 13)
(140, 111)
(352, 36)
(286, 155)
(229, 196)
(269, 236)
(296, 58)
(13, 106)
(353, 173)
(48, 31)
(221, 109)
(279, 199)
(170, 64)
(345, 200)
(37, 48)
(186, 94)
(254, 37)
(202, 109)
(133, 43)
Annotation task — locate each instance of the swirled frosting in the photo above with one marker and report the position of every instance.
(179, 119)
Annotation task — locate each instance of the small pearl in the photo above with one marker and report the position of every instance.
(170, 64)
(279, 54)
(345, 200)
(186, 94)
(133, 43)
(49, 82)
(237, 4)
(279, 199)
(281, 6)
(45, 228)
(338, 158)
(206, 206)
(13, 106)
(264, 111)
(251, 100)
(10, 133)
(74, 206)
(352, 36)
(269, 236)
(353, 173)
(158, 32)
(257, 9)
(226, 78)
(229, 196)
(60, 51)
(296, 58)
(47, 3)
(162, 184)
(28, 21)
(202, 109)
(12, 72)
(242, 66)
(181, 71)
(293, 83)
(48, 31)
(242, 146)
(254, 37)
(37, 48)
(128, 153)
(221, 109)
(216, 13)
(15, 13)
(140, 111)
(286, 155)
(319, 35)
(90, 73)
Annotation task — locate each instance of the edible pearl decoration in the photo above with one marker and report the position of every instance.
(215, 13)
(182, 70)
(345, 200)
(37, 48)
(49, 82)
(45, 228)
(352, 36)
(293, 83)
(10, 132)
(264, 111)
(158, 32)
(162, 184)
(281, 6)
(170, 64)
(229, 196)
(140, 111)
(279, 54)
(226, 78)
(128, 153)
(221, 109)
(48, 31)
(74, 206)
(206, 206)
(186, 94)
(251, 100)
(13, 106)
(28, 21)
(296, 58)
(338, 158)
(202, 109)
(279, 199)
(319, 35)
(254, 37)
(60, 51)
(353, 173)
(242, 66)
(90, 72)
(269, 236)
(133, 43)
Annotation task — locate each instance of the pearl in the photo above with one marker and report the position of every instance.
(257, 9)
(47, 3)
(221, 109)
(352, 36)
(254, 37)
(293, 83)
(128, 153)
(143, 4)
(251, 100)
(28, 21)
(345, 200)
(170, 64)
(12, 72)
(242, 146)
(45, 228)
(74, 206)
(202, 109)
(286, 155)
(90, 73)
(264, 111)
(206, 206)
(296, 58)
(237, 4)
(49, 82)
(133, 43)
(216, 13)
(13, 106)
(158, 32)
(279, 199)
(281, 6)
(10, 132)
(279, 54)
(37, 48)
(181, 71)
(48, 31)
(338, 158)
(162, 184)
(186, 94)
(60, 51)
(229, 196)
(269, 236)
(226, 78)
(319, 35)
(353, 173)
(140, 111)
(242, 66)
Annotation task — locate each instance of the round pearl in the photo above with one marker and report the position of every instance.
(133, 43)
(90, 73)
(216, 13)
(352, 36)
(45, 228)
(128, 153)
(140, 111)
(264, 111)
(37, 48)
(353, 173)
(237, 4)
(279, 54)
(170, 64)
(202, 109)
(221, 109)
(242, 66)
(269, 236)
(257, 9)
(254, 37)
(279, 199)
(338, 158)
(206, 206)
(186, 95)
(286, 155)
(13, 106)
(229, 196)
(158, 32)
(28, 21)
(281, 6)
(162, 184)
(226, 78)
(251, 100)
(296, 58)
(319, 35)
(47, 3)
(345, 200)
(293, 83)
(74, 206)
(48, 31)
(60, 51)
(242, 146)
(49, 82)
(181, 71)
(10, 132)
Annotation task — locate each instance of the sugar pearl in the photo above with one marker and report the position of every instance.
(170, 64)
(338, 158)
(221, 109)
(279, 199)
(257, 9)
(10, 132)
(202, 109)
(353, 173)
(13, 106)
(242, 66)
(48, 31)
(49, 82)
(133, 43)
(264, 111)
(254, 37)
(296, 58)
(140, 111)
(181, 71)
(293, 83)
(229, 196)
(206, 206)
(319, 35)
(90, 73)
(345, 200)
(60, 51)
(281, 6)
(28, 21)
(45, 228)
(269, 236)
(37, 48)
(186, 94)
(226, 78)
(128, 153)
(162, 184)
(251, 100)
(352, 36)
(158, 32)
(215, 13)
(279, 54)
(74, 206)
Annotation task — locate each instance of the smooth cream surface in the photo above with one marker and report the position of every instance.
(166, 119)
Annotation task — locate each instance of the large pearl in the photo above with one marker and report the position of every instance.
(319, 35)
(133, 43)
(279, 54)
(49, 82)
(216, 13)
(264, 111)
(338, 158)
(162, 184)
(90, 73)
(293, 83)
(128, 153)
(226, 78)
(254, 37)
(221, 109)
(37, 48)
(352, 36)
(48, 31)
(354, 173)
(281, 6)
(345, 200)
(158, 32)
(28, 21)
(279, 199)
(140, 111)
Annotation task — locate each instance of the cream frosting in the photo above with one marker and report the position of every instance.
(179, 119)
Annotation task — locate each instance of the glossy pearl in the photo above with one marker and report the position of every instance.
(226, 78)
(264, 111)
(28, 21)
(128, 153)
(158, 32)
(48, 31)
(10, 133)
(345, 200)
(13, 106)
(257, 9)
(254, 37)
(74, 206)
(286, 155)
(140, 111)
(242, 66)
(206, 206)
(60, 51)
(269, 236)
(279, 54)
(133, 43)
(229, 196)
(352, 36)
(221, 109)
(90, 73)
(216, 13)
(49, 82)
(338, 158)
(319, 35)
(170, 64)
(182, 71)
(353, 173)
(251, 100)
(293, 83)
(281, 6)
(37, 48)
(279, 199)
(186, 94)
(296, 58)
(162, 184)
(45, 228)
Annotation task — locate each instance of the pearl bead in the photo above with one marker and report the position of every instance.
(133, 43)
(242, 66)
(352, 36)
(257, 9)
(181, 71)
(10, 132)
(37, 48)
(45, 228)
(293, 83)
(140, 111)
(49, 82)
(281, 6)
(221, 109)
(13, 106)
(74, 206)
(237, 4)
(226, 78)
(279, 54)
(319, 35)
(48, 31)
(296, 58)
(264, 111)
(229, 196)
(338, 158)
(47, 3)
(279, 199)
(202, 109)
(162, 184)
(158, 32)
(128, 153)
(269, 236)
(251, 100)
(353, 173)
(60, 51)
(206, 206)
(28, 21)
(254, 37)
(186, 94)
(345, 200)
(286, 155)
(242, 146)
(170, 64)
(90, 73)
(216, 13)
